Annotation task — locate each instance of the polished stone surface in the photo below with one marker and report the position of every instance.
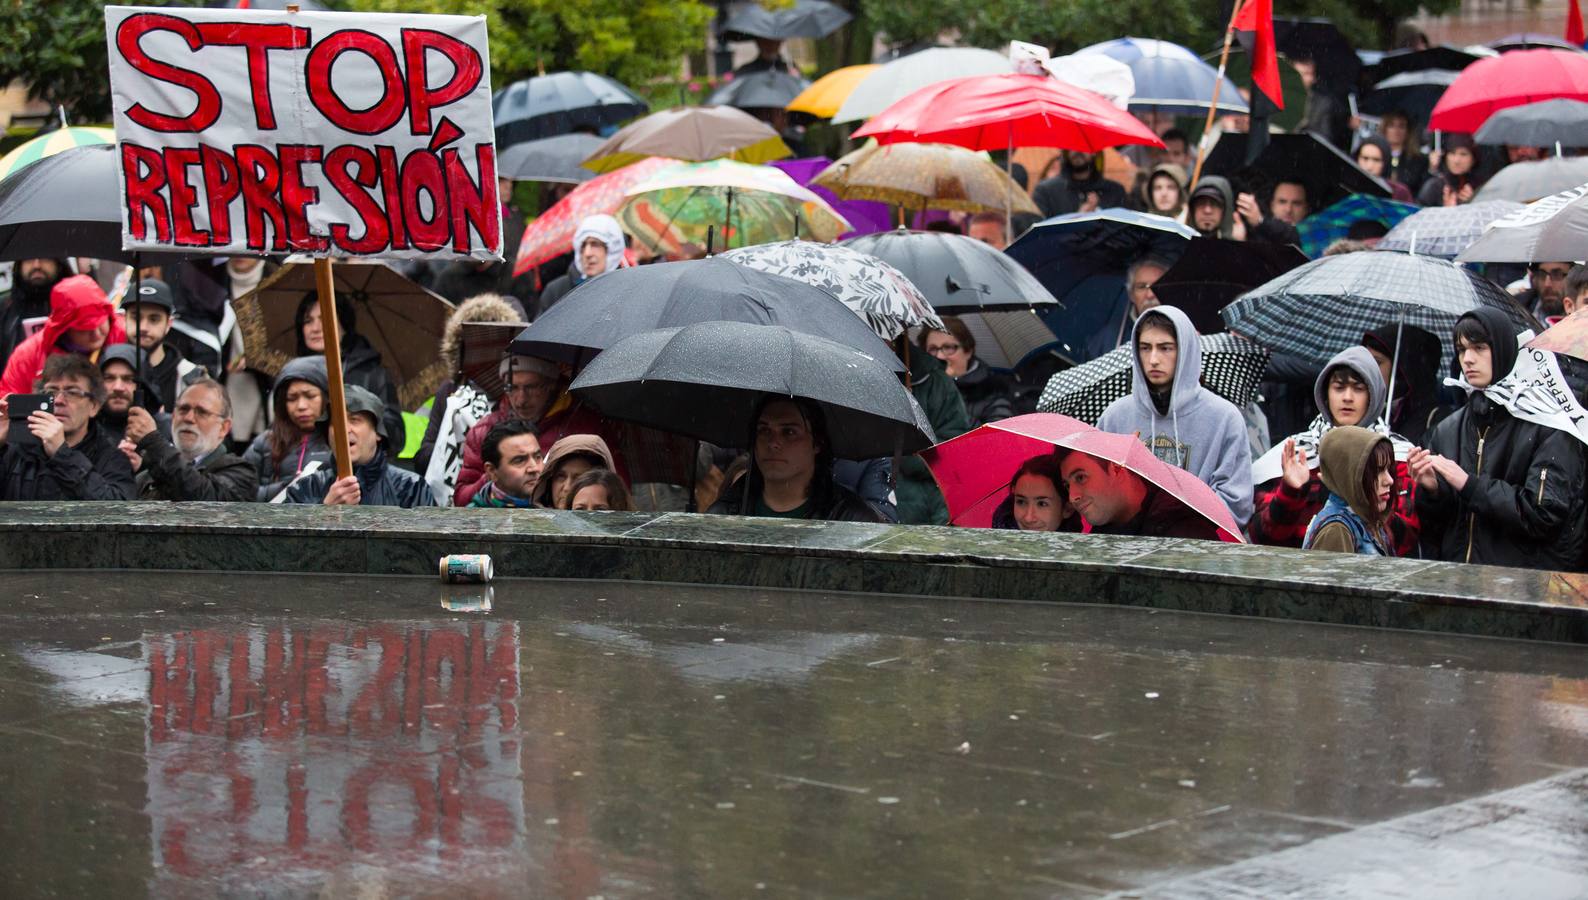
(196, 735)
(1181, 575)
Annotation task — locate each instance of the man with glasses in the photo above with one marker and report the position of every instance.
(193, 463)
(1546, 293)
(64, 455)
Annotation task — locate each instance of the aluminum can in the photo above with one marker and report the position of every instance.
(466, 568)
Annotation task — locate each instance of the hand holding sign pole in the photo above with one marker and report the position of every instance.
(252, 132)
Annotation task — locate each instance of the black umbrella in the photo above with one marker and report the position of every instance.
(955, 272)
(705, 380)
(1542, 124)
(610, 307)
(1413, 93)
(766, 89)
(1329, 174)
(1232, 367)
(68, 204)
(1321, 41)
(1211, 273)
(804, 19)
(549, 159)
(560, 103)
(1437, 57)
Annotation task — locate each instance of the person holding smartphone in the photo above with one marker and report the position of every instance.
(57, 451)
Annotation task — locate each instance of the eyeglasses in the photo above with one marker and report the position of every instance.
(1550, 274)
(197, 412)
(943, 349)
(73, 394)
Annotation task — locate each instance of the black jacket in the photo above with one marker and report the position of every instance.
(1523, 501)
(93, 470)
(379, 484)
(556, 289)
(166, 476)
(1059, 195)
(361, 365)
(844, 506)
(988, 396)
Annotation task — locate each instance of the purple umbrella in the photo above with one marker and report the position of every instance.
(868, 216)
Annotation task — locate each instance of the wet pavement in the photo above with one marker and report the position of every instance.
(188, 735)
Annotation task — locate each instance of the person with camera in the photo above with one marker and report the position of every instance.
(53, 448)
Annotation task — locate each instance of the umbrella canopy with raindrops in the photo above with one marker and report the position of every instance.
(880, 294)
(925, 176)
(1232, 367)
(1445, 231)
(723, 203)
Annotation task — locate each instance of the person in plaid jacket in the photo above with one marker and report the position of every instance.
(1349, 391)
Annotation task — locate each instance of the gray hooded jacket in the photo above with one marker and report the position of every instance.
(1202, 432)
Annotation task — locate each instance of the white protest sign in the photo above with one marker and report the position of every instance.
(332, 134)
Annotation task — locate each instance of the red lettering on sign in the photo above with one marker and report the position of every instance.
(220, 188)
(296, 196)
(467, 71)
(473, 204)
(259, 176)
(422, 175)
(259, 39)
(340, 166)
(386, 111)
(145, 176)
(208, 109)
(391, 188)
(183, 198)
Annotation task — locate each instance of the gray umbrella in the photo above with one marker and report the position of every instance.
(549, 159)
(1445, 231)
(705, 380)
(610, 307)
(956, 273)
(1555, 228)
(805, 18)
(766, 89)
(1525, 182)
(1542, 124)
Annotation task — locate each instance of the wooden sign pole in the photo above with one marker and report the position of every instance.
(331, 328)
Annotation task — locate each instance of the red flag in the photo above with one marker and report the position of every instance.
(1574, 32)
(1257, 17)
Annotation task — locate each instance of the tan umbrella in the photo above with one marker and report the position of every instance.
(402, 320)
(925, 176)
(693, 134)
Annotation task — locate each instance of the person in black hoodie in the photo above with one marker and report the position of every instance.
(791, 469)
(1415, 408)
(1495, 488)
(68, 456)
(361, 362)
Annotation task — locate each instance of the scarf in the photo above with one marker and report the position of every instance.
(1535, 391)
(1271, 465)
(243, 283)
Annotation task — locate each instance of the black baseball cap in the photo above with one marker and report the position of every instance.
(152, 291)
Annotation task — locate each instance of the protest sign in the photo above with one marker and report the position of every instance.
(331, 134)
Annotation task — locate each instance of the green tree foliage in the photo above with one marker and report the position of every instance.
(634, 42)
(57, 48)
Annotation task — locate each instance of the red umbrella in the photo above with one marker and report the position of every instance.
(1522, 76)
(973, 469)
(551, 235)
(1128, 451)
(996, 112)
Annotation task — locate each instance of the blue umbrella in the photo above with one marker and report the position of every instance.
(1081, 258)
(548, 105)
(1326, 226)
(1169, 77)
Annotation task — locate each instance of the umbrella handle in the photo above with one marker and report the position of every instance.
(1395, 363)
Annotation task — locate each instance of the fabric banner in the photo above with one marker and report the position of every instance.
(465, 408)
(1537, 392)
(331, 134)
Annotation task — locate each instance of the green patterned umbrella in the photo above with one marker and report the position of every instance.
(739, 204)
(51, 144)
(1326, 226)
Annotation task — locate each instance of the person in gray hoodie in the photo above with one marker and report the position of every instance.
(1181, 422)
(1212, 208)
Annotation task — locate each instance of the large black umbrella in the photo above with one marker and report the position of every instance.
(549, 159)
(1232, 367)
(559, 103)
(1321, 41)
(803, 19)
(68, 204)
(1413, 93)
(1211, 273)
(1437, 57)
(955, 272)
(705, 380)
(766, 89)
(1543, 124)
(1329, 174)
(610, 307)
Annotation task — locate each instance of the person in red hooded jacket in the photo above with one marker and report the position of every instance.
(82, 320)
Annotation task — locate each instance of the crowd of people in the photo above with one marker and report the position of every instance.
(152, 396)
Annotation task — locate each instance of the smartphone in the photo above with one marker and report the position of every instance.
(18, 408)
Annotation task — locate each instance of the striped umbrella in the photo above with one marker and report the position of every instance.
(51, 144)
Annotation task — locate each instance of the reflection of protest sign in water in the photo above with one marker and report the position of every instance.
(325, 133)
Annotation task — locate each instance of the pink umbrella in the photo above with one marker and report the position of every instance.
(1521, 76)
(973, 469)
(997, 112)
(1128, 451)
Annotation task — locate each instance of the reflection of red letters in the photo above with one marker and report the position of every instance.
(421, 97)
(386, 111)
(355, 800)
(208, 109)
(145, 176)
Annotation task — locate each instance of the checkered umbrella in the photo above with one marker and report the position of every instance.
(1326, 226)
(1325, 306)
(1445, 231)
(1231, 368)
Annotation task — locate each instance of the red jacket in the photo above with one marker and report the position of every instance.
(552, 427)
(75, 302)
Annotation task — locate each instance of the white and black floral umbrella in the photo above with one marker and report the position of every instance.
(1231, 367)
(880, 294)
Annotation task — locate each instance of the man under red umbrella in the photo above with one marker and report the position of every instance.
(82, 320)
(1114, 500)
